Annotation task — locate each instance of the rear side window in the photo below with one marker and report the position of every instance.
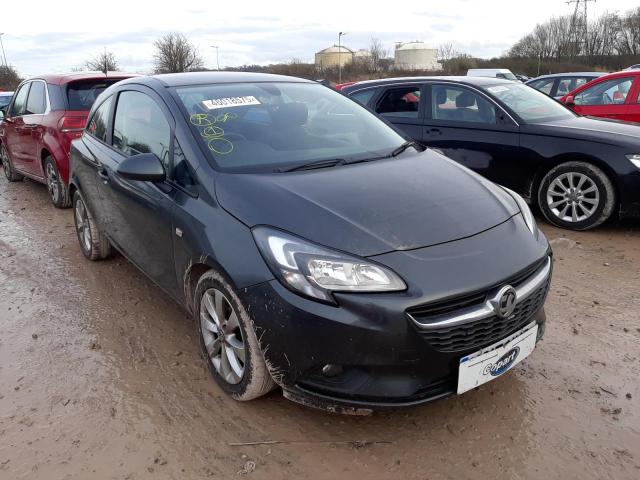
(20, 103)
(141, 127)
(565, 85)
(400, 102)
(461, 105)
(82, 94)
(36, 104)
(363, 96)
(99, 123)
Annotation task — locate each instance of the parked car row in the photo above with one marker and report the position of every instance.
(579, 171)
(316, 248)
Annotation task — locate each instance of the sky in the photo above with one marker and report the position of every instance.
(53, 37)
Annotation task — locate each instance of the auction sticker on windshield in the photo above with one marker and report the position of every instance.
(491, 362)
(230, 102)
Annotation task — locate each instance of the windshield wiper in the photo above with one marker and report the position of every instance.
(332, 162)
(402, 148)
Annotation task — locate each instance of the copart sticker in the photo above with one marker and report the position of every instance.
(230, 102)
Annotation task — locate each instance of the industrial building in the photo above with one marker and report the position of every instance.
(330, 57)
(415, 55)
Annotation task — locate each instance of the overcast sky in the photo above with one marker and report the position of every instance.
(48, 36)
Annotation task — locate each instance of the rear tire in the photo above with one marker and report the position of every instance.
(7, 166)
(576, 196)
(58, 190)
(228, 341)
(93, 243)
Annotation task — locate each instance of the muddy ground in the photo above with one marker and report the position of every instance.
(100, 378)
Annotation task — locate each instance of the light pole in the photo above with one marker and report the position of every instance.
(3, 54)
(340, 35)
(217, 57)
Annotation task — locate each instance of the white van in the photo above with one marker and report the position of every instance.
(492, 73)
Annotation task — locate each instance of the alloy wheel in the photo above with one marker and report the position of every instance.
(82, 225)
(222, 336)
(52, 181)
(573, 197)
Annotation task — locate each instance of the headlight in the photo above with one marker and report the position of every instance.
(317, 271)
(525, 210)
(635, 159)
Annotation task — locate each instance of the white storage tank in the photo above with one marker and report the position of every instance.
(331, 56)
(415, 55)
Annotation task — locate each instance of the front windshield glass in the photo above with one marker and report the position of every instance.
(506, 76)
(528, 103)
(250, 127)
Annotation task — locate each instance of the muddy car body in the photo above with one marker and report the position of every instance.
(315, 247)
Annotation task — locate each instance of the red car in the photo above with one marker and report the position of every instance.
(610, 96)
(45, 114)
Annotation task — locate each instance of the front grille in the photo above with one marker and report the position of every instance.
(480, 333)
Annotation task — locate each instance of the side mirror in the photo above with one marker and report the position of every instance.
(144, 167)
(570, 101)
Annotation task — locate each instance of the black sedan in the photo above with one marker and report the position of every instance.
(316, 249)
(579, 171)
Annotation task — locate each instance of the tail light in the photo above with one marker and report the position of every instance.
(72, 124)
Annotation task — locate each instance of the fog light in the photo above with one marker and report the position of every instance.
(331, 370)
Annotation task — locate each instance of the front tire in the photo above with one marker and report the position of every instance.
(228, 341)
(58, 190)
(9, 172)
(93, 243)
(576, 196)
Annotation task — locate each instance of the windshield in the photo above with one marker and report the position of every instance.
(506, 76)
(81, 94)
(4, 100)
(528, 103)
(268, 126)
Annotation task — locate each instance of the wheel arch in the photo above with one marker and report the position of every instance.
(194, 272)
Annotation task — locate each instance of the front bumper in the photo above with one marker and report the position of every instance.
(386, 360)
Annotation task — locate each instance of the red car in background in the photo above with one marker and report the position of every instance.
(610, 96)
(45, 114)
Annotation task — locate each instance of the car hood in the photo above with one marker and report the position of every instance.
(602, 130)
(414, 201)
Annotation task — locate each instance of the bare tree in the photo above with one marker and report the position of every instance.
(104, 62)
(9, 78)
(175, 54)
(629, 34)
(377, 53)
(446, 53)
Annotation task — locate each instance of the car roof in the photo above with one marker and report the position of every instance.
(569, 74)
(473, 81)
(207, 78)
(64, 78)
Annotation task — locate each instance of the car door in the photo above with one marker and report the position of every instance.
(140, 218)
(468, 127)
(402, 106)
(607, 98)
(14, 130)
(34, 129)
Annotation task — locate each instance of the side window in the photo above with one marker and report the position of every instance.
(564, 86)
(20, 103)
(363, 96)
(581, 81)
(37, 102)
(545, 85)
(99, 123)
(141, 127)
(400, 102)
(461, 105)
(609, 92)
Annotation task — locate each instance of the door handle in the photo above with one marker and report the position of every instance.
(103, 174)
(434, 131)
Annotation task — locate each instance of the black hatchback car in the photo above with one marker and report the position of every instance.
(316, 249)
(580, 171)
